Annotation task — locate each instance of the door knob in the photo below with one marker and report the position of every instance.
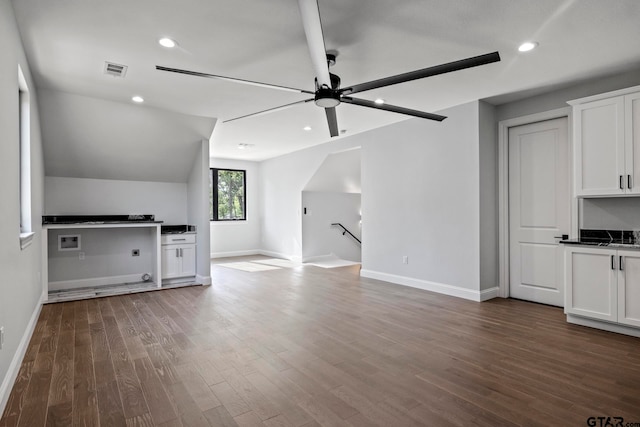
(563, 237)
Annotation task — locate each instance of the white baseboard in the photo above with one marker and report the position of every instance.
(426, 285)
(318, 258)
(490, 293)
(234, 253)
(597, 324)
(14, 367)
(294, 258)
(204, 280)
(95, 281)
(255, 252)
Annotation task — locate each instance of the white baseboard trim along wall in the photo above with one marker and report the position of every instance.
(426, 285)
(203, 280)
(235, 253)
(14, 367)
(215, 255)
(95, 282)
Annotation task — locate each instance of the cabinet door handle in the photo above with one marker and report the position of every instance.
(178, 240)
(177, 253)
(629, 182)
(621, 183)
(613, 262)
(180, 252)
(621, 266)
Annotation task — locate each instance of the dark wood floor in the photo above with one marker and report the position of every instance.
(309, 346)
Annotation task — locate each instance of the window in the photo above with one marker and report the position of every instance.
(26, 234)
(227, 195)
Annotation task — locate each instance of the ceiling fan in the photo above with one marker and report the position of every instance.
(328, 94)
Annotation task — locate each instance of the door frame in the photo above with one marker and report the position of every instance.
(503, 186)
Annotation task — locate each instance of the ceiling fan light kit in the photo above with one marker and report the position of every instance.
(328, 94)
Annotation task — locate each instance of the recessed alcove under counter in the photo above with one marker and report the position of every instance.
(111, 258)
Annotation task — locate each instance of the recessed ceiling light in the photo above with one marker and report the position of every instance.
(137, 99)
(527, 46)
(307, 128)
(167, 42)
(379, 101)
(243, 146)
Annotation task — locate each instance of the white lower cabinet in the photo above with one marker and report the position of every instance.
(178, 256)
(603, 284)
(629, 288)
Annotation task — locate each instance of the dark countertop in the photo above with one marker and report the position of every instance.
(603, 244)
(626, 239)
(103, 222)
(178, 229)
(99, 219)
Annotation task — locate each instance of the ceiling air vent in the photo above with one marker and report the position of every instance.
(116, 70)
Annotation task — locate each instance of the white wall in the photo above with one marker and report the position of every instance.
(558, 98)
(198, 211)
(235, 238)
(421, 186)
(322, 210)
(617, 213)
(488, 186)
(340, 172)
(106, 253)
(20, 286)
(84, 196)
(420, 198)
(282, 181)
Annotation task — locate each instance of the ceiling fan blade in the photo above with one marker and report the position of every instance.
(425, 72)
(270, 110)
(315, 40)
(332, 120)
(231, 79)
(392, 108)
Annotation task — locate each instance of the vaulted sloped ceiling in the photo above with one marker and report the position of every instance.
(88, 137)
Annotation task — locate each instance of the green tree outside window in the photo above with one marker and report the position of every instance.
(227, 195)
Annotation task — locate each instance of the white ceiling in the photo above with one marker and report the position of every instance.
(67, 42)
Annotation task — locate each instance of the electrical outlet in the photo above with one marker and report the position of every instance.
(81, 255)
(135, 252)
(1, 337)
(405, 259)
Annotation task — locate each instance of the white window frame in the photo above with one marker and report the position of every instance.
(24, 123)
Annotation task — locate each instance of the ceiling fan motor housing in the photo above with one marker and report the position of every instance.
(327, 98)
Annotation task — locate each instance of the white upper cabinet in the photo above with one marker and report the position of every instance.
(632, 140)
(606, 144)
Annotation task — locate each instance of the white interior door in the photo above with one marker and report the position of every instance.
(539, 210)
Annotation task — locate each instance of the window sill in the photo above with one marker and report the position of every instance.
(230, 222)
(26, 239)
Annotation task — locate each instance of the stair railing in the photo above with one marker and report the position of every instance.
(345, 231)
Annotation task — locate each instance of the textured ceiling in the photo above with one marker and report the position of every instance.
(67, 42)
